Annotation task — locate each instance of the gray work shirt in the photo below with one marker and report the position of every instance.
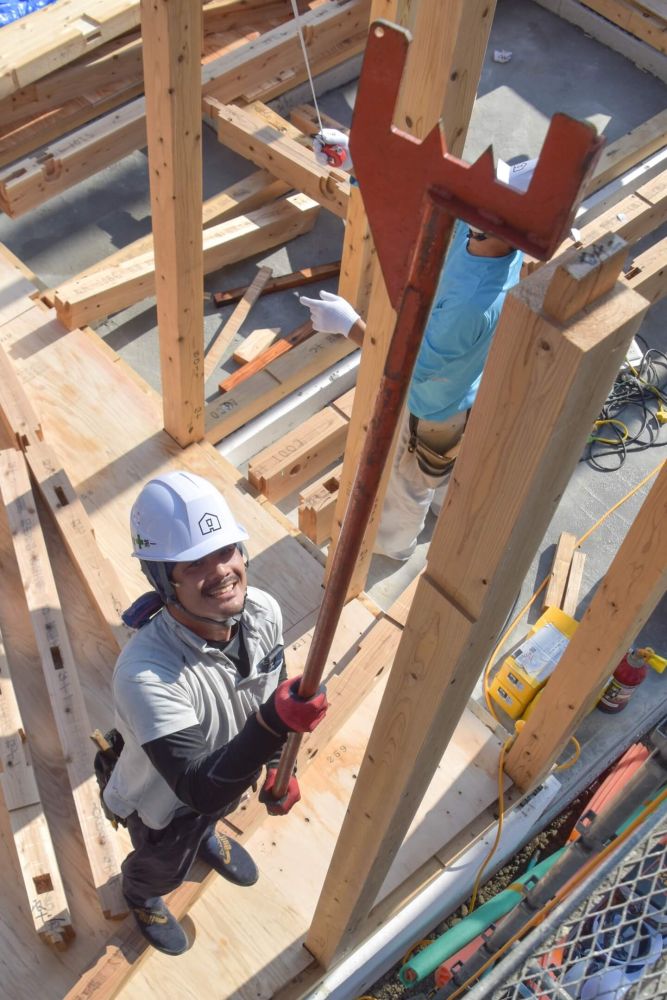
(168, 678)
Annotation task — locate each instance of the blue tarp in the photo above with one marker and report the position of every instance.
(12, 10)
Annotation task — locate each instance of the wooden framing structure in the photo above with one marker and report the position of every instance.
(60, 399)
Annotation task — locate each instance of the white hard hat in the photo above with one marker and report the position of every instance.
(180, 517)
(516, 176)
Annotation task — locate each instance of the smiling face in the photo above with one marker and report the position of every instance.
(213, 587)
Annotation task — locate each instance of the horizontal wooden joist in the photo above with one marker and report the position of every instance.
(32, 181)
(332, 32)
(283, 376)
(299, 456)
(240, 198)
(640, 23)
(56, 35)
(629, 150)
(94, 297)
(634, 217)
(248, 134)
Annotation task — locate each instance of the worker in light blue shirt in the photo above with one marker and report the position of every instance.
(457, 337)
(478, 272)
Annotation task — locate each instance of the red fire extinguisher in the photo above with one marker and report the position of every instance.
(629, 674)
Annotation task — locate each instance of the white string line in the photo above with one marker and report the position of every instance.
(297, 18)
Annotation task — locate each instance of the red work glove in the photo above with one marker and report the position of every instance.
(285, 712)
(279, 807)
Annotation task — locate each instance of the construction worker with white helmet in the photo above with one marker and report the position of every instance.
(478, 272)
(201, 697)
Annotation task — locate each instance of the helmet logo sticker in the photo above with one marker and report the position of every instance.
(141, 543)
(209, 523)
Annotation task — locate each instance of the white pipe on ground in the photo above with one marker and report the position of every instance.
(363, 966)
(282, 417)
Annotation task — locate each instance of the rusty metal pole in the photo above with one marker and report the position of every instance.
(413, 312)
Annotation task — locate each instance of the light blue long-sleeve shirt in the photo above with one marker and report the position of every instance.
(458, 334)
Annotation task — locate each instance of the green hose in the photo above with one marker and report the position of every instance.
(427, 961)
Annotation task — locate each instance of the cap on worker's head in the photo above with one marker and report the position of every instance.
(180, 517)
(516, 175)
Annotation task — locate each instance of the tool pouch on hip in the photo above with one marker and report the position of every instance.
(110, 748)
(431, 462)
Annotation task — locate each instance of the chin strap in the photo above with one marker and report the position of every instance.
(158, 575)
(147, 606)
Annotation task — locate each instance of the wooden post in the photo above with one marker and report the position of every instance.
(171, 31)
(453, 71)
(542, 387)
(630, 590)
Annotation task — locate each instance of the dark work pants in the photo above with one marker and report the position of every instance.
(161, 859)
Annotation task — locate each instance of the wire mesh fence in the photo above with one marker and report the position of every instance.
(606, 941)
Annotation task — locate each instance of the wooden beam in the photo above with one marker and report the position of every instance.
(278, 379)
(459, 67)
(641, 24)
(248, 134)
(632, 218)
(96, 573)
(648, 272)
(245, 196)
(172, 37)
(70, 97)
(633, 147)
(264, 359)
(217, 349)
(495, 514)
(630, 590)
(296, 457)
(47, 901)
(97, 294)
(306, 276)
(560, 568)
(317, 504)
(115, 62)
(332, 33)
(33, 180)
(62, 679)
(57, 35)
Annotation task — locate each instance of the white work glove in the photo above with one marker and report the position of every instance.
(341, 148)
(330, 313)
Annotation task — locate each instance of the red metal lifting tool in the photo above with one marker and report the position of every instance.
(413, 193)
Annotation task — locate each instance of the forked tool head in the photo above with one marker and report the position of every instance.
(396, 172)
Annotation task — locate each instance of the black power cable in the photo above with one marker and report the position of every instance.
(633, 413)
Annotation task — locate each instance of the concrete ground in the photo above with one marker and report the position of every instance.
(554, 67)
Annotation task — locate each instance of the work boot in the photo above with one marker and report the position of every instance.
(228, 858)
(160, 927)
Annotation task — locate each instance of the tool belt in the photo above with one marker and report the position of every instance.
(431, 462)
(110, 748)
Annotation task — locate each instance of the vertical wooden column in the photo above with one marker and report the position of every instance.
(172, 32)
(632, 586)
(542, 387)
(447, 50)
